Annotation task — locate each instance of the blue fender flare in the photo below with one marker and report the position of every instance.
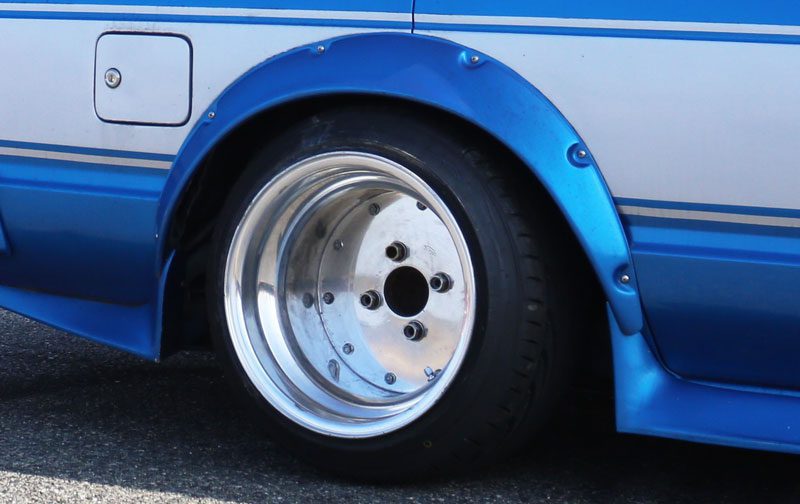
(452, 78)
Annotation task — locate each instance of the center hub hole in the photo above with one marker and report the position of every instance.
(406, 291)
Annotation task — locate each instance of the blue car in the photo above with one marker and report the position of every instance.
(406, 226)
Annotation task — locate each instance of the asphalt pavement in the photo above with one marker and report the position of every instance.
(84, 423)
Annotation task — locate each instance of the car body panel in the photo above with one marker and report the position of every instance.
(80, 195)
(687, 113)
(688, 110)
(441, 74)
(651, 400)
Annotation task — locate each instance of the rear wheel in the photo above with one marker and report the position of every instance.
(376, 287)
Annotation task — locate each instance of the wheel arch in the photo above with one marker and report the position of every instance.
(442, 76)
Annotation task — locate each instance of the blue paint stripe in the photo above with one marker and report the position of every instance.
(785, 256)
(45, 174)
(407, 25)
(775, 12)
(8, 159)
(388, 6)
(613, 32)
(705, 207)
(708, 225)
(179, 18)
(87, 150)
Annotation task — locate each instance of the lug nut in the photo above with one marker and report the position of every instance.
(396, 251)
(328, 297)
(308, 300)
(338, 244)
(348, 348)
(374, 209)
(441, 282)
(421, 205)
(414, 331)
(370, 300)
(390, 378)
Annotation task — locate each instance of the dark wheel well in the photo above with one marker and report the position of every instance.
(186, 325)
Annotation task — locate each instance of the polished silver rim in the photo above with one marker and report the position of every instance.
(349, 294)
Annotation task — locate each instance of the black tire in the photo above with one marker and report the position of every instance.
(519, 354)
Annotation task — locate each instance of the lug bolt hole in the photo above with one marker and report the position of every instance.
(396, 251)
(370, 300)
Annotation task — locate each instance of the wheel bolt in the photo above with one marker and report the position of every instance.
(374, 209)
(347, 348)
(390, 378)
(328, 297)
(441, 282)
(370, 300)
(396, 251)
(414, 331)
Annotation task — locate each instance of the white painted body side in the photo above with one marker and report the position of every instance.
(671, 120)
(675, 120)
(51, 78)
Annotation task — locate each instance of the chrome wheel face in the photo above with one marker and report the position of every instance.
(349, 294)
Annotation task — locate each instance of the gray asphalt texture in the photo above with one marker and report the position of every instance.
(84, 423)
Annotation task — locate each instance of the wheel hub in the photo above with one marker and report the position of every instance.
(406, 291)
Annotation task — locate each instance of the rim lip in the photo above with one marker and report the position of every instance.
(268, 378)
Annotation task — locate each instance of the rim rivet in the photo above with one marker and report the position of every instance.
(474, 59)
(624, 279)
(374, 209)
(328, 297)
(338, 244)
(308, 300)
(396, 251)
(390, 378)
(370, 300)
(320, 49)
(581, 154)
(421, 206)
(347, 348)
(414, 331)
(441, 282)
